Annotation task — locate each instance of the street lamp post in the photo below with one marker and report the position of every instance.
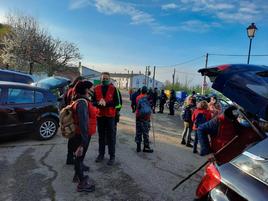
(251, 30)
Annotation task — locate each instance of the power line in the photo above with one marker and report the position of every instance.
(240, 55)
(179, 64)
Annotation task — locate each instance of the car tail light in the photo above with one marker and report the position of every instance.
(211, 179)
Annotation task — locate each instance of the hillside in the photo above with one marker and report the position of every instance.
(3, 29)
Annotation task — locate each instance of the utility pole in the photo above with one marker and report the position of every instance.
(205, 77)
(145, 78)
(173, 78)
(131, 80)
(154, 77)
(148, 78)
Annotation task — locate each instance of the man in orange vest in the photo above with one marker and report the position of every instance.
(106, 99)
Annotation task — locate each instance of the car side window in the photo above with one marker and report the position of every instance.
(39, 97)
(19, 96)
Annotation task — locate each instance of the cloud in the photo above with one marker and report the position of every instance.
(113, 7)
(227, 10)
(169, 6)
(198, 26)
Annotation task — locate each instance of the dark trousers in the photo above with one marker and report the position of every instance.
(161, 107)
(204, 143)
(142, 130)
(171, 108)
(195, 141)
(70, 154)
(106, 130)
(78, 162)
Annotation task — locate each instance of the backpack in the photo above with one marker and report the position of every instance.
(200, 119)
(144, 107)
(187, 114)
(67, 124)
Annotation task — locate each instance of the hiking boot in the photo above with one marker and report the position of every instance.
(111, 161)
(85, 186)
(189, 145)
(85, 168)
(148, 149)
(138, 147)
(183, 142)
(99, 158)
(77, 180)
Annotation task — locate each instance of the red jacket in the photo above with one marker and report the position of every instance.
(106, 111)
(92, 118)
(198, 111)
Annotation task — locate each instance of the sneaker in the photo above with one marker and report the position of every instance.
(183, 142)
(76, 178)
(138, 147)
(99, 158)
(147, 149)
(195, 152)
(189, 145)
(110, 162)
(84, 186)
(85, 168)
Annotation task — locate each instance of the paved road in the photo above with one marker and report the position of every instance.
(36, 170)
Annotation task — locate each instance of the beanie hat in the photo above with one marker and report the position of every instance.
(81, 86)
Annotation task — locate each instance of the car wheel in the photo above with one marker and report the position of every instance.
(47, 128)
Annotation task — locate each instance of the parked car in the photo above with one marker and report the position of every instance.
(13, 76)
(245, 176)
(55, 84)
(25, 108)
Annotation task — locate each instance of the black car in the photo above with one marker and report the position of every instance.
(27, 109)
(13, 76)
(245, 176)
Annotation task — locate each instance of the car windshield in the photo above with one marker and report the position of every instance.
(51, 82)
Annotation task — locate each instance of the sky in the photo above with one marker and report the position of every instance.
(117, 35)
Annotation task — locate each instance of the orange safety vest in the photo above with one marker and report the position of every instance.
(106, 111)
(92, 119)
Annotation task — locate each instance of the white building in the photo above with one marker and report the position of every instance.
(135, 81)
(90, 74)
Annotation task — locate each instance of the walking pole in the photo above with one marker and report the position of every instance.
(209, 160)
(153, 130)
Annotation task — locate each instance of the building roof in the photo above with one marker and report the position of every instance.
(123, 75)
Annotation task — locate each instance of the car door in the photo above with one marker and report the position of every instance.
(8, 117)
(21, 100)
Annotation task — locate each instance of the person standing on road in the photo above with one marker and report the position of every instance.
(118, 108)
(67, 99)
(172, 101)
(200, 116)
(188, 124)
(155, 98)
(106, 99)
(143, 115)
(163, 99)
(214, 106)
(133, 99)
(84, 115)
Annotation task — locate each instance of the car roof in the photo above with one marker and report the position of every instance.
(15, 72)
(14, 84)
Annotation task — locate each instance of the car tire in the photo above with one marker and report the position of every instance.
(46, 128)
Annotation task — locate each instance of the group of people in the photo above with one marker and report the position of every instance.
(153, 98)
(194, 115)
(93, 107)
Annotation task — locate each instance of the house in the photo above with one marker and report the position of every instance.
(135, 81)
(90, 74)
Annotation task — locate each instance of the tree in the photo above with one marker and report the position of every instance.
(28, 46)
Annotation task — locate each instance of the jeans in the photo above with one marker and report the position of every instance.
(186, 135)
(204, 143)
(195, 141)
(107, 132)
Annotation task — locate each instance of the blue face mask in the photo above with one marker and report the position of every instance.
(244, 123)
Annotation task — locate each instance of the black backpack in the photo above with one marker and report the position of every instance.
(187, 114)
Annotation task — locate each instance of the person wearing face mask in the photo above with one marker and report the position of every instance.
(106, 99)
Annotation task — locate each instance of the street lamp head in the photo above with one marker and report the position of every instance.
(251, 30)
